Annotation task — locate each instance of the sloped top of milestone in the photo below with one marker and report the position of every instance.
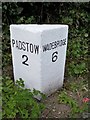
(37, 27)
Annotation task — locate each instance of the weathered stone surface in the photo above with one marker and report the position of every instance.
(39, 53)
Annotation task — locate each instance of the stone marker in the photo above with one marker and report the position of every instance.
(39, 53)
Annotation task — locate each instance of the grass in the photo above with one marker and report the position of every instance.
(73, 94)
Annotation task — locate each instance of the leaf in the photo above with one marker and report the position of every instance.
(86, 35)
(76, 71)
(18, 100)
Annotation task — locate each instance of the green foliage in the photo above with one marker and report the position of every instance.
(73, 91)
(68, 100)
(10, 14)
(77, 69)
(75, 87)
(26, 20)
(19, 102)
(77, 56)
(65, 98)
(77, 52)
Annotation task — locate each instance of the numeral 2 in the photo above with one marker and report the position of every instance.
(25, 60)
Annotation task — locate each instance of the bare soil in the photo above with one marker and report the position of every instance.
(54, 109)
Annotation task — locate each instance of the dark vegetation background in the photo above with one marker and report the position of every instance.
(76, 15)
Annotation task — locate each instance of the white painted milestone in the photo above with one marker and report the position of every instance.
(39, 54)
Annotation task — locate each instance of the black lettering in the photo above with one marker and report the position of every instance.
(44, 48)
(13, 42)
(52, 45)
(36, 47)
(58, 43)
(20, 45)
(64, 41)
(26, 59)
(31, 48)
(23, 46)
(48, 47)
(17, 44)
(27, 46)
(54, 56)
(55, 44)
